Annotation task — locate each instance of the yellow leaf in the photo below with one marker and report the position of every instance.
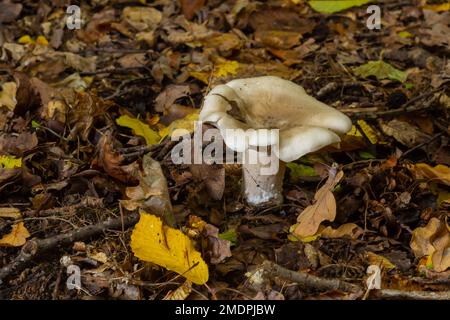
(221, 69)
(139, 128)
(368, 131)
(186, 123)
(8, 95)
(405, 34)
(17, 237)
(181, 293)
(376, 259)
(42, 41)
(26, 39)
(438, 7)
(153, 242)
(439, 173)
(9, 162)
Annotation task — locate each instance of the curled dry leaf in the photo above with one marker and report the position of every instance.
(350, 230)
(404, 133)
(180, 293)
(323, 209)
(167, 247)
(439, 173)
(17, 237)
(219, 249)
(433, 240)
(142, 18)
(8, 95)
(111, 161)
(151, 194)
(374, 279)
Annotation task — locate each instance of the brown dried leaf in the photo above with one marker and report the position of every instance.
(17, 237)
(152, 194)
(323, 209)
(190, 7)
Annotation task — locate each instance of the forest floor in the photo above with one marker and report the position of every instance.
(86, 114)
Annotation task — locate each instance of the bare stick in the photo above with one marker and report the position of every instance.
(307, 280)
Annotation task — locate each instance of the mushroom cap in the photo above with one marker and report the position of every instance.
(305, 124)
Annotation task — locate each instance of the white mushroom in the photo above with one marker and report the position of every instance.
(246, 110)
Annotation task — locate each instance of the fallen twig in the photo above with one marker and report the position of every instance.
(35, 247)
(308, 280)
(411, 295)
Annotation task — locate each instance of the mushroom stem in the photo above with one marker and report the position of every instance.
(263, 189)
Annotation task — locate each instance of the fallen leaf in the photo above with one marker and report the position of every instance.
(380, 261)
(142, 18)
(13, 213)
(332, 6)
(180, 293)
(8, 95)
(9, 11)
(213, 177)
(350, 230)
(433, 241)
(9, 162)
(404, 132)
(190, 7)
(324, 208)
(152, 193)
(298, 170)
(374, 279)
(440, 7)
(381, 70)
(167, 247)
(139, 128)
(17, 237)
(218, 248)
(169, 95)
(111, 161)
(186, 123)
(439, 173)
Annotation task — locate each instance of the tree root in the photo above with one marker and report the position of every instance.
(35, 247)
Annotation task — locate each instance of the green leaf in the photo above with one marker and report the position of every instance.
(139, 128)
(229, 235)
(381, 70)
(332, 6)
(366, 155)
(298, 170)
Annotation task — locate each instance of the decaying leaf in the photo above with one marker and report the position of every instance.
(376, 259)
(374, 279)
(151, 194)
(167, 97)
(219, 249)
(381, 70)
(323, 209)
(17, 237)
(139, 128)
(404, 132)
(154, 242)
(112, 162)
(180, 293)
(142, 18)
(8, 95)
(349, 230)
(13, 213)
(439, 173)
(433, 241)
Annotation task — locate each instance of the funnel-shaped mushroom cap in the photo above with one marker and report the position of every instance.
(262, 103)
